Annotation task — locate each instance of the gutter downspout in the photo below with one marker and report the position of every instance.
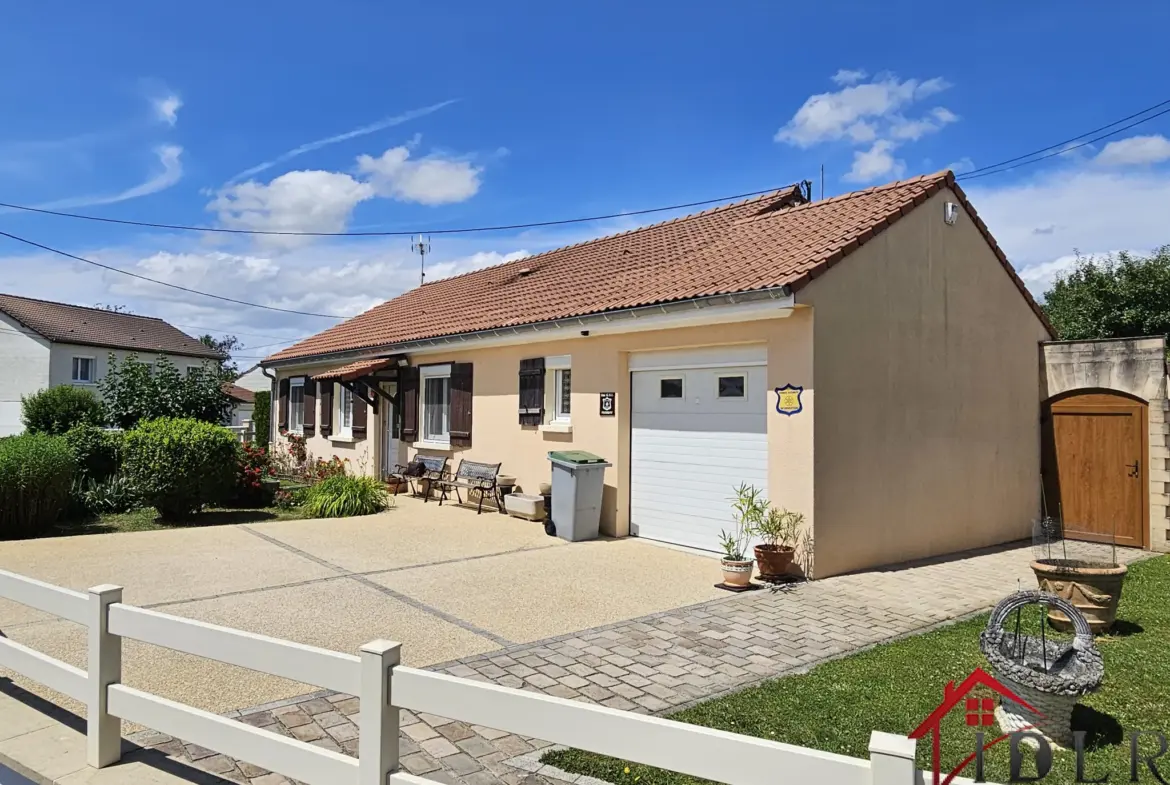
(271, 398)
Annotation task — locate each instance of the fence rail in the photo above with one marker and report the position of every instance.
(383, 687)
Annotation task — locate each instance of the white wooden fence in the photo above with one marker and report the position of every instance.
(383, 687)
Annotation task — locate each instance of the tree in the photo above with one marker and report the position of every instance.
(225, 346)
(1112, 297)
(115, 308)
(133, 392)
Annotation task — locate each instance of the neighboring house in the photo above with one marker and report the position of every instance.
(870, 360)
(254, 379)
(243, 403)
(43, 344)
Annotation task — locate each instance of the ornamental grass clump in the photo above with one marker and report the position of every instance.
(341, 496)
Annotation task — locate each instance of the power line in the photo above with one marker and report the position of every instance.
(984, 171)
(466, 230)
(164, 283)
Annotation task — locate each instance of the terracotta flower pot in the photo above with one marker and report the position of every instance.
(737, 573)
(774, 560)
(1094, 589)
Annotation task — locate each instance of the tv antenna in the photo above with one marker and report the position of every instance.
(422, 248)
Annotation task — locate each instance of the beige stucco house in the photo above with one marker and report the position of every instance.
(870, 360)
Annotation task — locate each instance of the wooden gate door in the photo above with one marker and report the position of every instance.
(1097, 457)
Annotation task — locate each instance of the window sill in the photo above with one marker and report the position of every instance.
(557, 427)
(80, 383)
(422, 444)
(341, 438)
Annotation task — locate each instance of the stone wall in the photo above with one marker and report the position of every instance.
(1131, 365)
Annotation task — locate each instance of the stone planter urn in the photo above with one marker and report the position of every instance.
(1050, 676)
(1093, 588)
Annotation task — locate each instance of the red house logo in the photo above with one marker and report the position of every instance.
(980, 713)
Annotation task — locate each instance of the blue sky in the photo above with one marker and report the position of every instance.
(371, 116)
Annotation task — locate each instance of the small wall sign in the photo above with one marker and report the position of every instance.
(608, 407)
(788, 400)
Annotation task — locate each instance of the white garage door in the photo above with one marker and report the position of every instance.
(698, 432)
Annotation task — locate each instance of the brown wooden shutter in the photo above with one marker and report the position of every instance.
(461, 400)
(326, 408)
(532, 391)
(282, 406)
(408, 402)
(359, 412)
(310, 407)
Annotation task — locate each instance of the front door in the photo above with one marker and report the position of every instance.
(1097, 475)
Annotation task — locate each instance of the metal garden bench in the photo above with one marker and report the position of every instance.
(428, 468)
(473, 476)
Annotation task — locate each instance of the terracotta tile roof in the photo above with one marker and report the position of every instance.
(760, 243)
(98, 327)
(360, 368)
(237, 393)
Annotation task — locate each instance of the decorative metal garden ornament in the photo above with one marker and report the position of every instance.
(1050, 675)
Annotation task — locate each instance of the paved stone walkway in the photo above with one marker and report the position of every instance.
(655, 664)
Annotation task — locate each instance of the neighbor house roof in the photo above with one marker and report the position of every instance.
(99, 327)
(766, 242)
(237, 393)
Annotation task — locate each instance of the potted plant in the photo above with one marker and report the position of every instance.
(750, 507)
(778, 530)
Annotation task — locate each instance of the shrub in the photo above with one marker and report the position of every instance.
(57, 409)
(320, 469)
(262, 418)
(342, 496)
(180, 465)
(134, 391)
(252, 469)
(36, 471)
(97, 451)
(288, 499)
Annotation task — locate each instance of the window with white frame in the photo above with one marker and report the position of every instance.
(436, 403)
(559, 371)
(344, 414)
(83, 370)
(193, 370)
(296, 405)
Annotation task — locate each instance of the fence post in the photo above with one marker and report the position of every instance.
(378, 727)
(891, 759)
(103, 744)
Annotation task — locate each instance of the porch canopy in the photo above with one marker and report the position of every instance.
(362, 378)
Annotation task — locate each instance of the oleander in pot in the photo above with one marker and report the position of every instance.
(749, 506)
(777, 531)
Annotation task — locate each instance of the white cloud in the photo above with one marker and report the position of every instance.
(846, 76)
(364, 130)
(1041, 223)
(431, 180)
(964, 164)
(1135, 151)
(170, 156)
(167, 108)
(302, 201)
(851, 112)
(878, 161)
(913, 130)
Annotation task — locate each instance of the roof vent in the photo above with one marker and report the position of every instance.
(524, 272)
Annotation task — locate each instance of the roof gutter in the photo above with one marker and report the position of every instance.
(773, 302)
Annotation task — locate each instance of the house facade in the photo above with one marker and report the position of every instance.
(868, 360)
(44, 344)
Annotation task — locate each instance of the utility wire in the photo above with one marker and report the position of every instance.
(996, 168)
(466, 230)
(165, 283)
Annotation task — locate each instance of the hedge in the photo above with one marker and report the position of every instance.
(180, 465)
(56, 410)
(36, 472)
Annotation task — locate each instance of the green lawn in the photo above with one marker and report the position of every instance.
(146, 519)
(894, 687)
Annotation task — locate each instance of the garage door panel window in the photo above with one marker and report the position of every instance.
(732, 386)
(670, 388)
